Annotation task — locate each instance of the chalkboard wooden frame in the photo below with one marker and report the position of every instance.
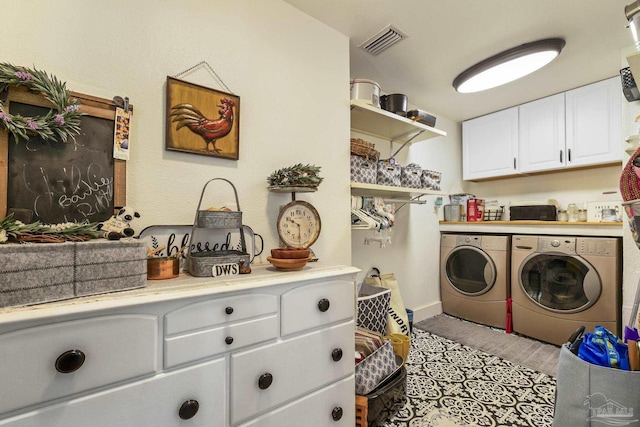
(89, 105)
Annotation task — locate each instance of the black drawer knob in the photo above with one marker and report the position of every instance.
(229, 340)
(336, 414)
(70, 361)
(336, 354)
(228, 310)
(188, 409)
(265, 381)
(323, 305)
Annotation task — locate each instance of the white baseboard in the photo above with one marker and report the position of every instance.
(426, 311)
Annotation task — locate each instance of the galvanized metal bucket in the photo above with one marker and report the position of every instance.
(207, 263)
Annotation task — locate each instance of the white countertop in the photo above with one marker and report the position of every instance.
(183, 286)
(608, 229)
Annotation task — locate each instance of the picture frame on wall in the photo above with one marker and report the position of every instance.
(201, 120)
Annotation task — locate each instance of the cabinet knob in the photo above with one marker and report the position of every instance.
(228, 310)
(336, 414)
(188, 409)
(69, 361)
(336, 354)
(323, 305)
(265, 381)
(228, 340)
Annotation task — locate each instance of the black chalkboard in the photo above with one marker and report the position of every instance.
(60, 182)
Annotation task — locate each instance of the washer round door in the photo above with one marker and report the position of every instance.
(470, 270)
(560, 283)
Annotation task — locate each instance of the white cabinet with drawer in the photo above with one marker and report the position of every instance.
(267, 349)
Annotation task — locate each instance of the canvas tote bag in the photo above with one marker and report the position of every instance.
(397, 320)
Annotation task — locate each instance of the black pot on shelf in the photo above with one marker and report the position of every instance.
(395, 103)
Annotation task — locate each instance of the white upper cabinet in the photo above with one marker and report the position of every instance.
(541, 143)
(574, 129)
(490, 144)
(593, 117)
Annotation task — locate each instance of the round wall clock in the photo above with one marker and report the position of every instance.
(298, 224)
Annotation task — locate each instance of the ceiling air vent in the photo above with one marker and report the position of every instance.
(383, 40)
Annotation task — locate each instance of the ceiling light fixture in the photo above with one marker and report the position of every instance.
(508, 66)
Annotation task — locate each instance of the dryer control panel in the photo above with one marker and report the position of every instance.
(562, 244)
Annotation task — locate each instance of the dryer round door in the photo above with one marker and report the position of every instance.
(560, 283)
(470, 270)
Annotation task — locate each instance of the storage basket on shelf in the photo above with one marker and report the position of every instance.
(362, 148)
(493, 213)
(363, 170)
(411, 176)
(389, 174)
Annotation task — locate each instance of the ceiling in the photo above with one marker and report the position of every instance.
(447, 36)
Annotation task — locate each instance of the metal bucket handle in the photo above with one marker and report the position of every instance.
(235, 193)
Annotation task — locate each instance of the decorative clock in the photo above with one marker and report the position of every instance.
(298, 224)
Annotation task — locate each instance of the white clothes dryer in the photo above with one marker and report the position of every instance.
(560, 283)
(474, 277)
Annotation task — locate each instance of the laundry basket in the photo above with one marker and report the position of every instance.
(373, 308)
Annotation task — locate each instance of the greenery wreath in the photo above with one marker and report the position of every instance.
(58, 124)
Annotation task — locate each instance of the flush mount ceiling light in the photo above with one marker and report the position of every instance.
(508, 66)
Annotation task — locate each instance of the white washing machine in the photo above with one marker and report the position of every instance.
(474, 277)
(560, 283)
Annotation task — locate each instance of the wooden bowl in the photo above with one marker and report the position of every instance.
(290, 253)
(291, 264)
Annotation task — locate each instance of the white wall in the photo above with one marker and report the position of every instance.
(290, 71)
(414, 253)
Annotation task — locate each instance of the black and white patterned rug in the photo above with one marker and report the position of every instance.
(451, 385)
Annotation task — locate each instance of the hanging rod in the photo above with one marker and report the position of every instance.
(411, 201)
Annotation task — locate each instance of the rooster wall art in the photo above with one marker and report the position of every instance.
(191, 128)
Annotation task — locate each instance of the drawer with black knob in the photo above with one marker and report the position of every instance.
(270, 375)
(217, 311)
(57, 360)
(316, 305)
(193, 397)
(192, 346)
(332, 406)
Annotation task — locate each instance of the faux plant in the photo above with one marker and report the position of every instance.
(296, 175)
(59, 124)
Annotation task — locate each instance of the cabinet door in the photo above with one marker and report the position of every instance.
(165, 400)
(541, 141)
(267, 377)
(593, 116)
(490, 144)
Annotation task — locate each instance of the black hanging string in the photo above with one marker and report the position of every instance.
(209, 69)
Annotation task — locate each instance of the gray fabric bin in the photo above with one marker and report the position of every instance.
(36, 273)
(43, 272)
(591, 395)
(106, 266)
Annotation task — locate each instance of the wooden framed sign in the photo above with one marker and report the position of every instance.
(58, 181)
(202, 120)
